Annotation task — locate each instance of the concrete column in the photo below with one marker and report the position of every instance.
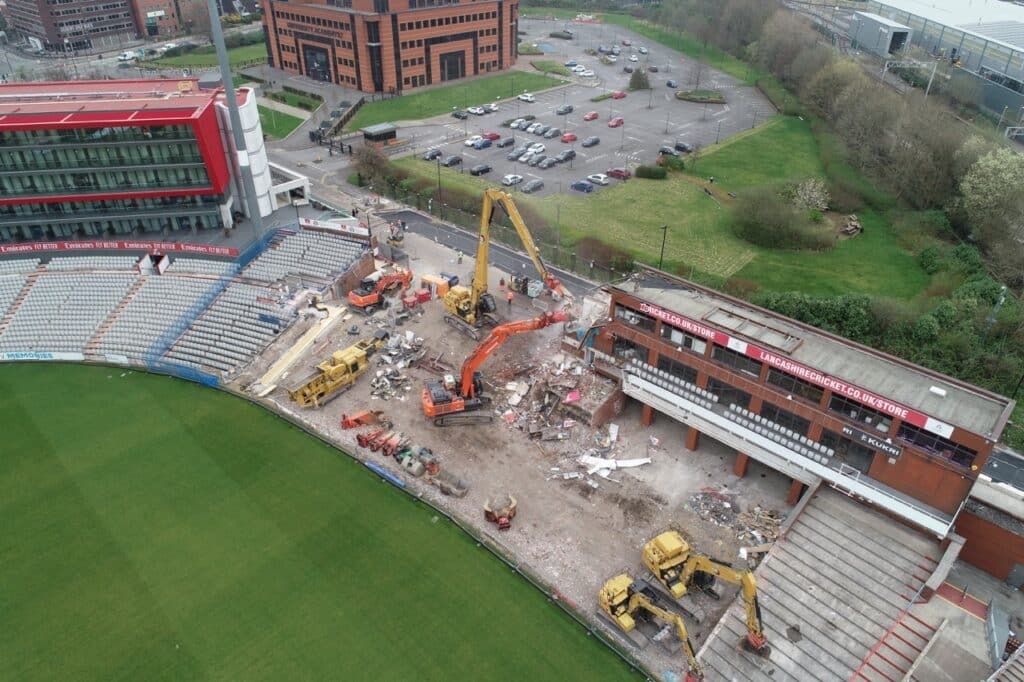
(795, 490)
(692, 438)
(647, 415)
(740, 467)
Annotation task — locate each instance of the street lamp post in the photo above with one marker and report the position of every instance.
(664, 235)
(438, 159)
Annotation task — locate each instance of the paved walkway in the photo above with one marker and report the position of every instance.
(283, 108)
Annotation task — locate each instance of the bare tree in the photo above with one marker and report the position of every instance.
(371, 165)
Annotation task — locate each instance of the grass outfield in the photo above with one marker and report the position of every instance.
(440, 100)
(205, 56)
(277, 123)
(157, 530)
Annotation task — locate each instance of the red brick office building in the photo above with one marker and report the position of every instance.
(391, 45)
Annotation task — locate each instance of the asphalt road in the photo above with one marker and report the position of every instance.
(501, 256)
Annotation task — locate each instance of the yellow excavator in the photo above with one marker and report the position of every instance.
(469, 308)
(625, 601)
(338, 372)
(670, 559)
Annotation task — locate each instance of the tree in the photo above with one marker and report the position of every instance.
(821, 90)
(992, 198)
(639, 80)
(371, 165)
(3, 23)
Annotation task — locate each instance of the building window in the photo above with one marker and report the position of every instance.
(634, 318)
(728, 395)
(681, 339)
(737, 361)
(676, 368)
(785, 418)
(852, 454)
(936, 444)
(798, 388)
(625, 349)
(860, 413)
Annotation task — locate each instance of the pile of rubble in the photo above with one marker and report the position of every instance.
(754, 526)
(852, 225)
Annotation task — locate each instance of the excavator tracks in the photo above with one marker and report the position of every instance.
(463, 419)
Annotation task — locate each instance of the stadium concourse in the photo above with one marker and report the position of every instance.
(203, 317)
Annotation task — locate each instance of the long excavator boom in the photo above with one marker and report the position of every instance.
(756, 639)
(497, 337)
(491, 197)
(696, 672)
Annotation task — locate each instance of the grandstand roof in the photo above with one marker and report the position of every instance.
(106, 102)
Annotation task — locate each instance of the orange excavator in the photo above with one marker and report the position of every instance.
(448, 402)
(369, 295)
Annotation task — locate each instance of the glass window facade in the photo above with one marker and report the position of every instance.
(936, 445)
(728, 395)
(625, 349)
(103, 181)
(681, 339)
(785, 418)
(634, 318)
(798, 388)
(92, 156)
(850, 453)
(684, 372)
(108, 135)
(860, 413)
(737, 361)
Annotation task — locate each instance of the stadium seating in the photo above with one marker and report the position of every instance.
(91, 263)
(18, 265)
(307, 255)
(206, 267)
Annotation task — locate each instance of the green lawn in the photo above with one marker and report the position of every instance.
(157, 530)
(441, 100)
(629, 215)
(296, 100)
(550, 66)
(205, 56)
(277, 124)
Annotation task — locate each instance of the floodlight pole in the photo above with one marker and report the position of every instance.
(248, 185)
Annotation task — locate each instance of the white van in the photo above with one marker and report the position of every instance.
(126, 57)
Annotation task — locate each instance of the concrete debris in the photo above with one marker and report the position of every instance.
(754, 526)
(595, 464)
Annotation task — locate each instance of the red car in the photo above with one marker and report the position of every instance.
(590, 116)
(627, 42)
(616, 122)
(491, 136)
(569, 137)
(620, 173)
(618, 94)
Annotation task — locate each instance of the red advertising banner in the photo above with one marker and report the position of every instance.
(97, 245)
(800, 371)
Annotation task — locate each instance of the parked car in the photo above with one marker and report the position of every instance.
(598, 178)
(532, 128)
(653, 68)
(603, 50)
(505, 142)
(461, 115)
(684, 147)
(535, 161)
(432, 154)
(483, 143)
(515, 124)
(451, 160)
(616, 122)
(627, 42)
(514, 155)
(642, 49)
(473, 140)
(590, 116)
(591, 141)
(672, 83)
(667, 151)
(611, 59)
(491, 135)
(552, 133)
(511, 179)
(569, 137)
(571, 63)
(537, 148)
(548, 163)
(565, 155)
(564, 109)
(533, 186)
(618, 94)
(627, 69)
(477, 111)
(491, 108)
(620, 173)
(480, 169)
(527, 97)
(582, 186)
(579, 68)
(633, 58)
(541, 130)
(615, 50)
(587, 74)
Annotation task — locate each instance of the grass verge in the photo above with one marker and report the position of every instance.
(550, 66)
(205, 56)
(441, 100)
(161, 530)
(277, 124)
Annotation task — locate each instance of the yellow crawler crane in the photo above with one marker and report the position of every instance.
(624, 601)
(671, 560)
(338, 372)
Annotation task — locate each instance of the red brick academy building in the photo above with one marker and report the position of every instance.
(391, 45)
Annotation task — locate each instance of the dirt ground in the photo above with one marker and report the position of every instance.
(574, 533)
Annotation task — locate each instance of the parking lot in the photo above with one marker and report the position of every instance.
(653, 118)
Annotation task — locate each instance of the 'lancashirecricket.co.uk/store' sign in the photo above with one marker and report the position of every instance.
(800, 371)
